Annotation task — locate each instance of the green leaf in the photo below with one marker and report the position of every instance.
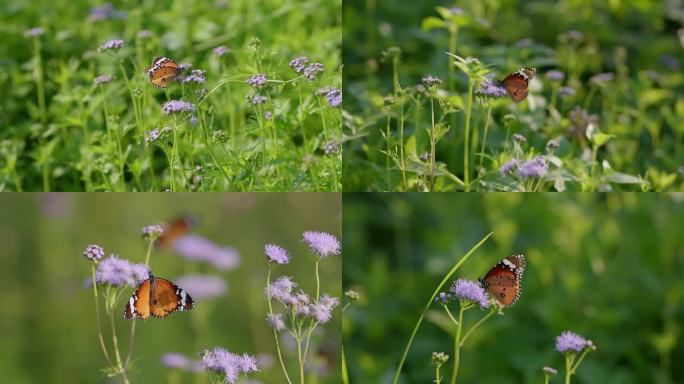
(430, 23)
(622, 178)
(601, 138)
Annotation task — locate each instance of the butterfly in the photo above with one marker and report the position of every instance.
(516, 83)
(162, 71)
(157, 297)
(503, 280)
(178, 227)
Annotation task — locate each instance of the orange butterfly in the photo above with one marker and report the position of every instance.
(503, 280)
(517, 82)
(178, 227)
(163, 71)
(157, 297)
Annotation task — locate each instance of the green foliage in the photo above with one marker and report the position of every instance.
(66, 133)
(637, 106)
(607, 266)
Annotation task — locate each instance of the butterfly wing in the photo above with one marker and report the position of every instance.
(503, 281)
(167, 297)
(516, 86)
(178, 227)
(138, 305)
(163, 76)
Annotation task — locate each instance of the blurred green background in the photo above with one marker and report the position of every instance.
(607, 266)
(48, 328)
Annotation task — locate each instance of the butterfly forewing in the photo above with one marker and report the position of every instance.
(163, 71)
(503, 281)
(139, 304)
(517, 82)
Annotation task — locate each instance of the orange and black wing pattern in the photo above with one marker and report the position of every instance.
(157, 297)
(503, 280)
(163, 71)
(516, 83)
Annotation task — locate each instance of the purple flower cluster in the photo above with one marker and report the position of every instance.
(571, 342)
(443, 298)
(331, 147)
(334, 97)
(555, 75)
(118, 272)
(220, 50)
(257, 99)
(508, 167)
(229, 364)
(180, 361)
(156, 134)
(313, 70)
(550, 371)
(466, 290)
(257, 80)
(144, 34)
(178, 106)
(536, 167)
(200, 249)
(431, 81)
(298, 302)
(276, 322)
(322, 309)
(34, 32)
(111, 45)
(93, 252)
(276, 254)
(299, 64)
(102, 79)
(491, 89)
(152, 231)
(105, 12)
(602, 78)
(196, 76)
(321, 243)
(184, 66)
(202, 287)
(519, 138)
(566, 91)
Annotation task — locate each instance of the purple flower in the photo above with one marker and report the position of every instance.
(193, 120)
(276, 254)
(331, 147)
(220, 50)
(281, 289)
(489, 88)
(178, 106)
(268, 115)
(321, 243)
(443, 298)
(431, 81)
(257, 80)
(555, 75)
(570, 341)
(334, 97)
(455, 11)
(257, 99)
(229, 364)
(466, 290)
(200, 249)
(313, 70)
(536, 167)
(111, 45)
(202, 286)
(299, 64)
(184, 66)
(276, 321)
(196, 76)
(152, 231)
(175, 360)
(144, 34)
(102, 79)
(508, 167)
(34, 32)
(519, 138)
(93, 252)
(602, 78)
(669, 62)
(118, 272)
(566, 91)
(105, 12)
(322, 309)
(549, 371)
(156, 134)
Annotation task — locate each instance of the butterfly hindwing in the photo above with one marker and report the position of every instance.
(503, 280)
(157, 297)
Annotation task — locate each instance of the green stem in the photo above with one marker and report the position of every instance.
(345, 370)
(568, 367)
(321, 112)
(457, 346)
(438, 379)
(402, 118)
(97, 313)
(453, 36)
(469, 109)
(387, 155)
(429, 302)
(484, 137)
(275, 332)
(482, 320)
(138, 120)
(115, 341)
(433, 143)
